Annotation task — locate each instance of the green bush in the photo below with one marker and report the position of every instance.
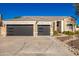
(55, 32)
(68, 32)
(77, 32)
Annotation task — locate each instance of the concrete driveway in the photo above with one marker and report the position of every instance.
(35, 46)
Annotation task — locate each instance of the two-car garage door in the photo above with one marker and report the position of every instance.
(20, 30)
(27, 30)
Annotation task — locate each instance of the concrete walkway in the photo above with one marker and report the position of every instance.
(35, 46)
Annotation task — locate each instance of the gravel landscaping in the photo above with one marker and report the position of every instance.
(73, 43)
(64, 38)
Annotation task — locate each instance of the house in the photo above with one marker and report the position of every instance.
(37, 25)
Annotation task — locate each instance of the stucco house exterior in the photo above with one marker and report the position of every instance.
(37, 25)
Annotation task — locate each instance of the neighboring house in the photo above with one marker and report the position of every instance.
(37, 25)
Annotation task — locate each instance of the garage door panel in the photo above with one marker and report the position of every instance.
(43, 29)
(20, 30)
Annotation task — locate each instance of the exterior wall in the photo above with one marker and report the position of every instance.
(55, 25)
(35, 30)
(62, 25)
(51, 29)
(19, 22)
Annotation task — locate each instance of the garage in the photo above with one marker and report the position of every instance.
(44, 30)
(19, 30)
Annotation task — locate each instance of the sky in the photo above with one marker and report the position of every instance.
(11, 10)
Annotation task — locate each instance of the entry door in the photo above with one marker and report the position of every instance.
(43, 29)
(59, 26)
(20, 30)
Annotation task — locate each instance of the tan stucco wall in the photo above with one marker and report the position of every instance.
(19, 22)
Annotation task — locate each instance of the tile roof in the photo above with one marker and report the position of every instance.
(38, 18)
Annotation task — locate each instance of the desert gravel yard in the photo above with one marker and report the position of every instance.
(72, 42)
(35, 46)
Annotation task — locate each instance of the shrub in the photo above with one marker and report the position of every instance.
(77, 32)
(55, 32)
(68, 32)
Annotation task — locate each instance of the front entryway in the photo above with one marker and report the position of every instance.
(59, 26)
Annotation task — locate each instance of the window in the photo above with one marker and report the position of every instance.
(69, 25)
